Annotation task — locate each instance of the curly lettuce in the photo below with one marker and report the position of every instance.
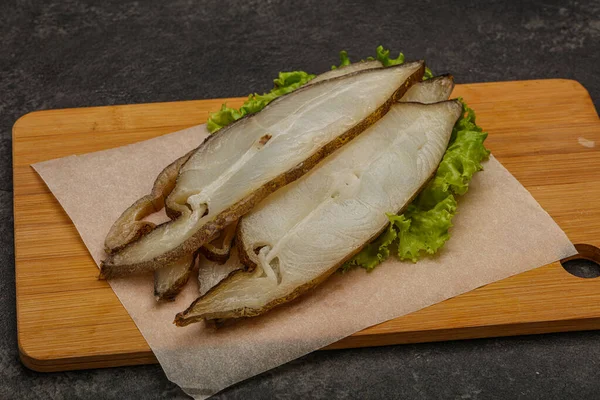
(344, 60)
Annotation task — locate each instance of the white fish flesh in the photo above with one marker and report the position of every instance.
(243, 163)
(302, 233)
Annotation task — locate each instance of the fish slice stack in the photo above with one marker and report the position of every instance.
(271, 205)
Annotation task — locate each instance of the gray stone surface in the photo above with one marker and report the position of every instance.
(56, 54)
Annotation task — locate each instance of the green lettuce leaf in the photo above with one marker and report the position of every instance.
(344, 60)
(383, 56)
(427, 229)
(424, 227)
(377, 251)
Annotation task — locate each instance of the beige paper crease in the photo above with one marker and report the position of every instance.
(500, 230)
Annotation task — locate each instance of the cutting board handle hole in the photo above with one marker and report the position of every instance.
(586, 264)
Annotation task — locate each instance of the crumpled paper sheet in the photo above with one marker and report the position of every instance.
(500, 231)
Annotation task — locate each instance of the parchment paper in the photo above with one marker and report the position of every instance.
(500, 231)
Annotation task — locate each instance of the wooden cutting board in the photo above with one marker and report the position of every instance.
(546, 132)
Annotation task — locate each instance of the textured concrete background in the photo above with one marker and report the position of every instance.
(56, 54)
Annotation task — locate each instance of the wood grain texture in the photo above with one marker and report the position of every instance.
(67, 319)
